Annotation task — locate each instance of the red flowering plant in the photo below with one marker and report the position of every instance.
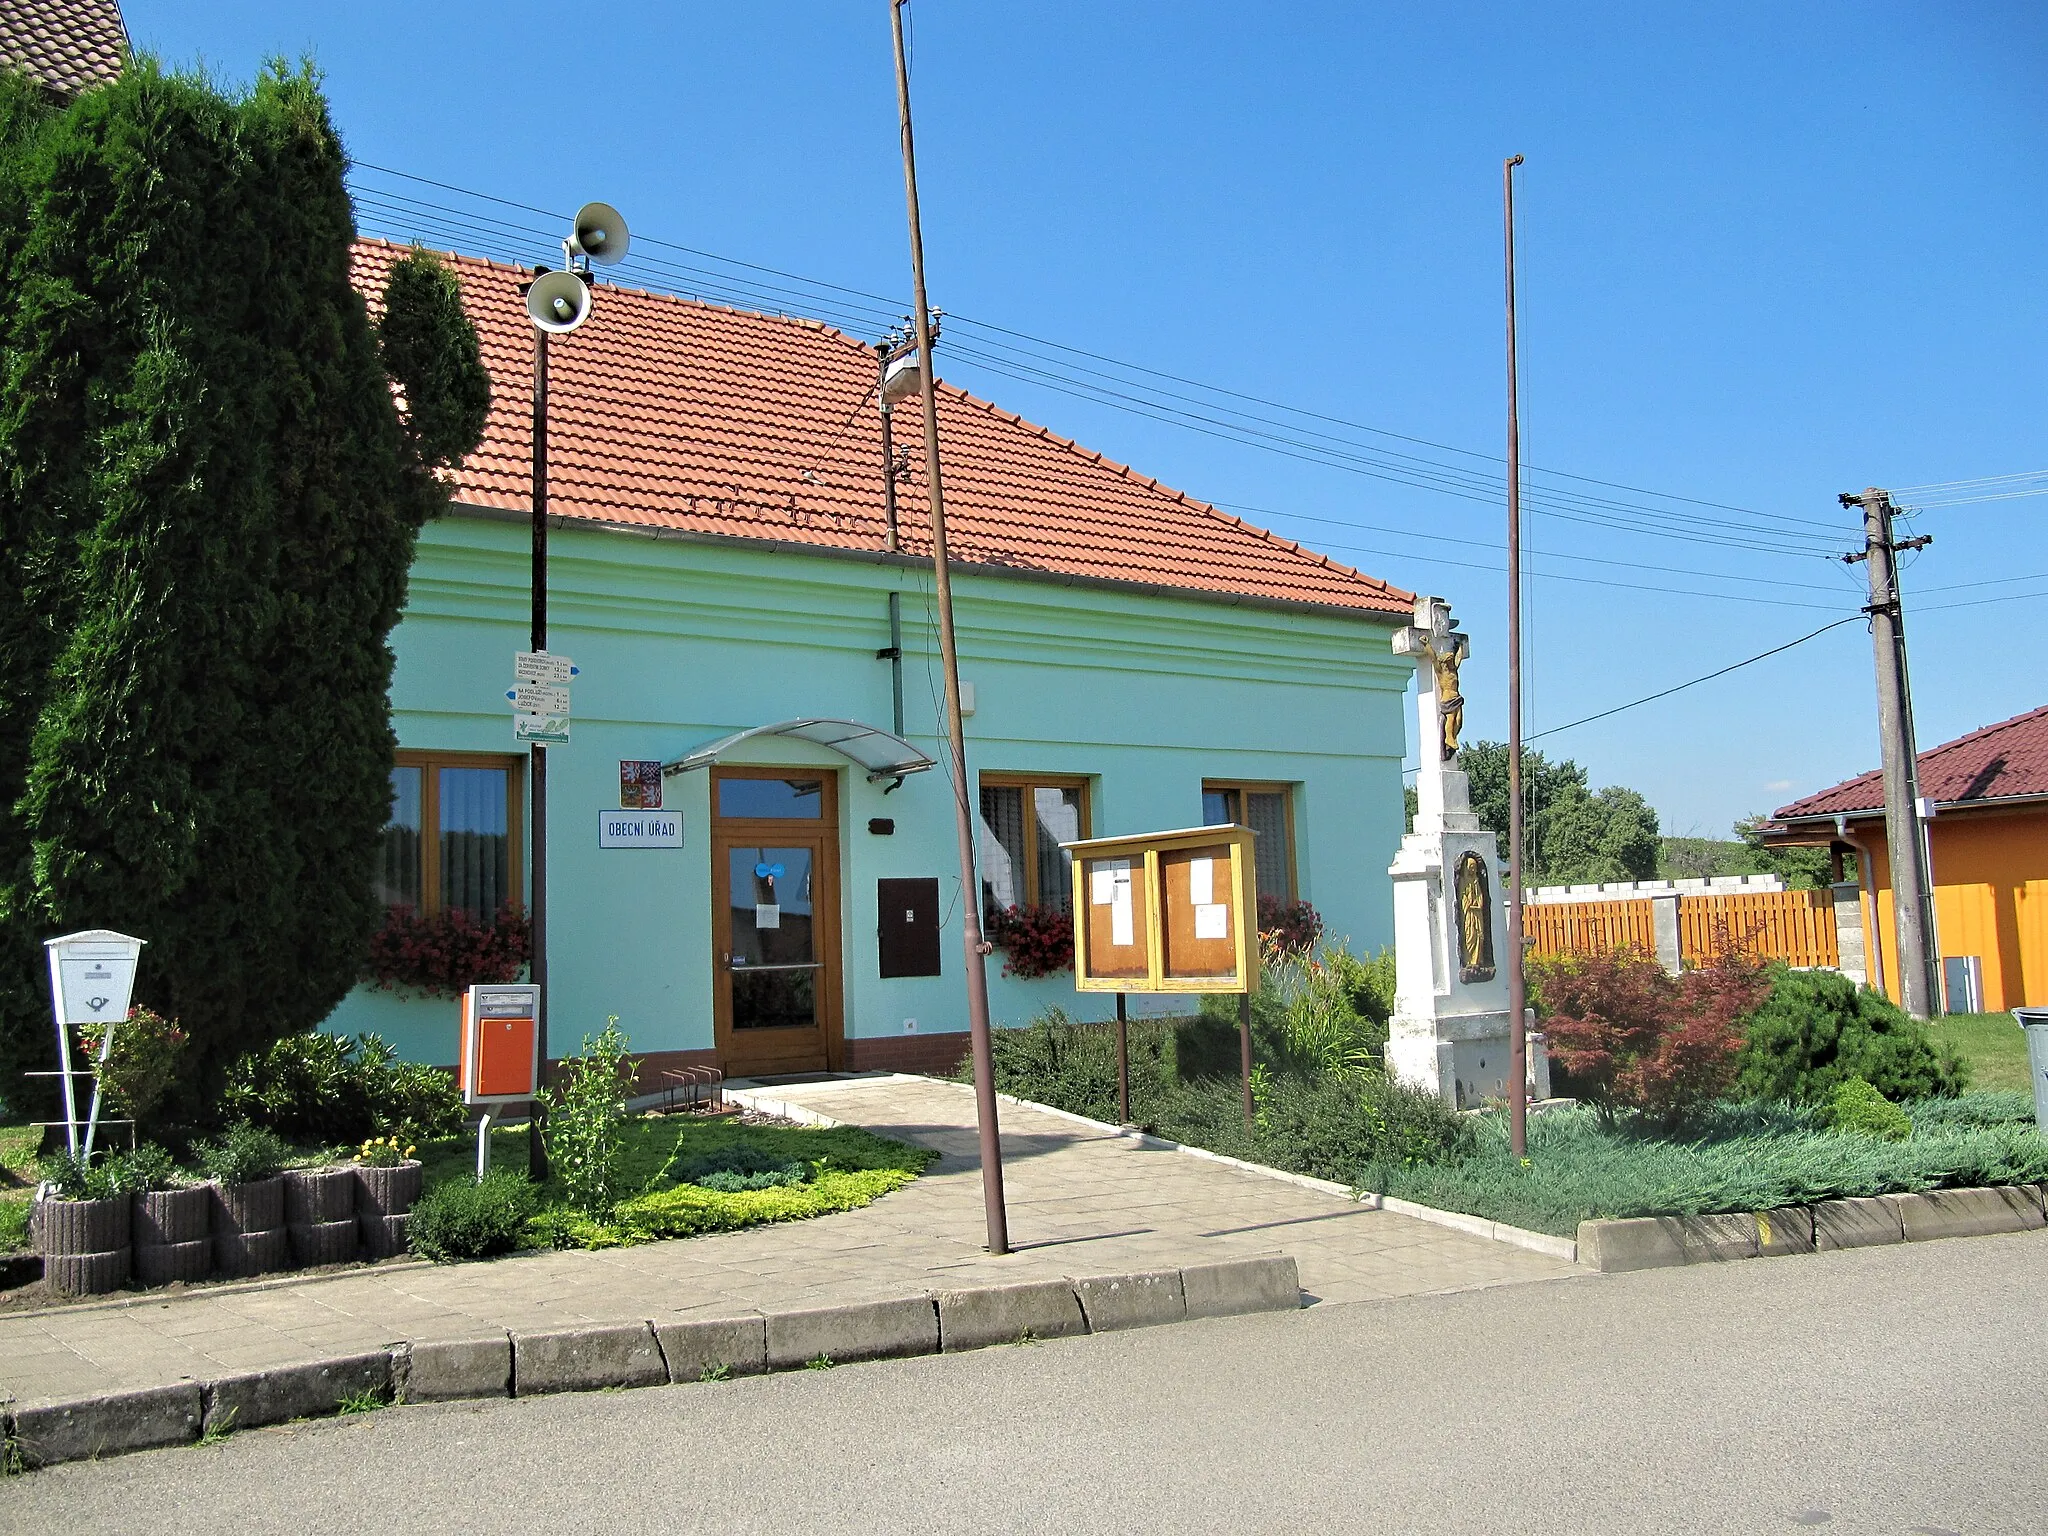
(444, 953)
(1288, 927)
(142, 1061)
(1037, 941)
(1636, 1038)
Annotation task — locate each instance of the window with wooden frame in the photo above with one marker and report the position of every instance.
(453, 838)
(1024, 819)
(1268, 809)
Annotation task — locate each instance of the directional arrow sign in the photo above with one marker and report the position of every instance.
(532, 700)
(544, 667)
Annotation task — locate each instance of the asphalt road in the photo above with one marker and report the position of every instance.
(1897, 1390)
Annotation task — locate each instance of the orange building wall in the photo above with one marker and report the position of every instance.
(1990, 899)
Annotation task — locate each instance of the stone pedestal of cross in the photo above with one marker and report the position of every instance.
(1449, 1032)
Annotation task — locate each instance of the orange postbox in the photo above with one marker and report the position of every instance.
(500, 1062)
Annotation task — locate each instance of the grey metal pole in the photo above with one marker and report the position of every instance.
(1912, 920)
(1518, 991)
(1244, 1052)
(956, 737)
(1123, 1063)
(536, 1144)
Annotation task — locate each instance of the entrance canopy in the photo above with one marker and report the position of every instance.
(883, 756)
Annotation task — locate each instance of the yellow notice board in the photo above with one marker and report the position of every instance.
(1166, 912)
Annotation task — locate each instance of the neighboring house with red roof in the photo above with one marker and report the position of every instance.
(1988, 855)
(723, 569)
(65, 46)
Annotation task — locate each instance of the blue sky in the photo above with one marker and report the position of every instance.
(1767, 254)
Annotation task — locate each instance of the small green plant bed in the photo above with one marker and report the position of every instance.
(755, 1173)
(1320, 1108)
(1734, 1158)
(1992, 1043)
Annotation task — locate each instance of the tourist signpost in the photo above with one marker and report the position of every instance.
(1168, 912)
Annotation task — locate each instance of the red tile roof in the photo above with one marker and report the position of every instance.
(671, 413)
(2000, 762)
(66, 46)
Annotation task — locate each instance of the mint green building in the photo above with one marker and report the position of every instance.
(727, 578)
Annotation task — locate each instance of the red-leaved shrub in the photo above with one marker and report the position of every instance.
(1036, 941)
(1636, 1038)
(446, 953)
(1288, 927)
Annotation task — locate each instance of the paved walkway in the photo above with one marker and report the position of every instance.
(1081, 1202)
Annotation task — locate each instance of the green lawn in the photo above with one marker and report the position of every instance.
(1993, 1044)
(17, 1183)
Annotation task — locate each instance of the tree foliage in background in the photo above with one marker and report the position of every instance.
(1575, 834)
(209, 497)
(1697, 858)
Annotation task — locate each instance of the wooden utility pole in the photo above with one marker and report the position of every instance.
(949, 656)
(1518, 991)
(1912, 899)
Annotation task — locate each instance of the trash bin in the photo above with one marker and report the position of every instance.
(2035, 1022)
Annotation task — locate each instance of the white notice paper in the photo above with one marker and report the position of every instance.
(1201, 881)
(767, 916)
(1212, 919)
(1110, 885)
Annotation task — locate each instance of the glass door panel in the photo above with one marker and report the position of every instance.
(773, 953)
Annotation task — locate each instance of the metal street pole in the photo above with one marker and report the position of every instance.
(1912, 906)
(1518, 991)
(536, 1145)
(942, 581)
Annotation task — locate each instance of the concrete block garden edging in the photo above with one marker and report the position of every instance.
(1476, 1226)
(517, 1363)
(1655, 1242)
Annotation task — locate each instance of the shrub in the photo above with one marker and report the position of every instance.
(1860, 1110)
(144, 1168)
(142, 1059)
(1036, 941)
(739, 1167)
(465, 1218)
(318, 1087)
(1818, 1029)
(1638, 1039)
(444, 953)
(1288, 927)
(1580, 1168)
(689, 1209)
(585, 1116)
(71, 1177)
(243, 1154)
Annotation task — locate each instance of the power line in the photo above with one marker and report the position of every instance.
(1548, 554)
(1421, 473)
(1695, 682)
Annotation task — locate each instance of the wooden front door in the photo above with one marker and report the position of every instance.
(775, 920)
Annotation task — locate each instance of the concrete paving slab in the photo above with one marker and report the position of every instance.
(1083, 1201)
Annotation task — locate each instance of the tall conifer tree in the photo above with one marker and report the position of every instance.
(209, 495)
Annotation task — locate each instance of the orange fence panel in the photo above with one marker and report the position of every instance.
(1588, 927)
(1797, 927)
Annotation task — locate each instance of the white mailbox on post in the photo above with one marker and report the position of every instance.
(92, 977)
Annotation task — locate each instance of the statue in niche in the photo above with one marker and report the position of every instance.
(1473, 890)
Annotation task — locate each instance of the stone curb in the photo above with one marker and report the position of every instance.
(1476, 1226)
(641, 1354)
(1656, 1242)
